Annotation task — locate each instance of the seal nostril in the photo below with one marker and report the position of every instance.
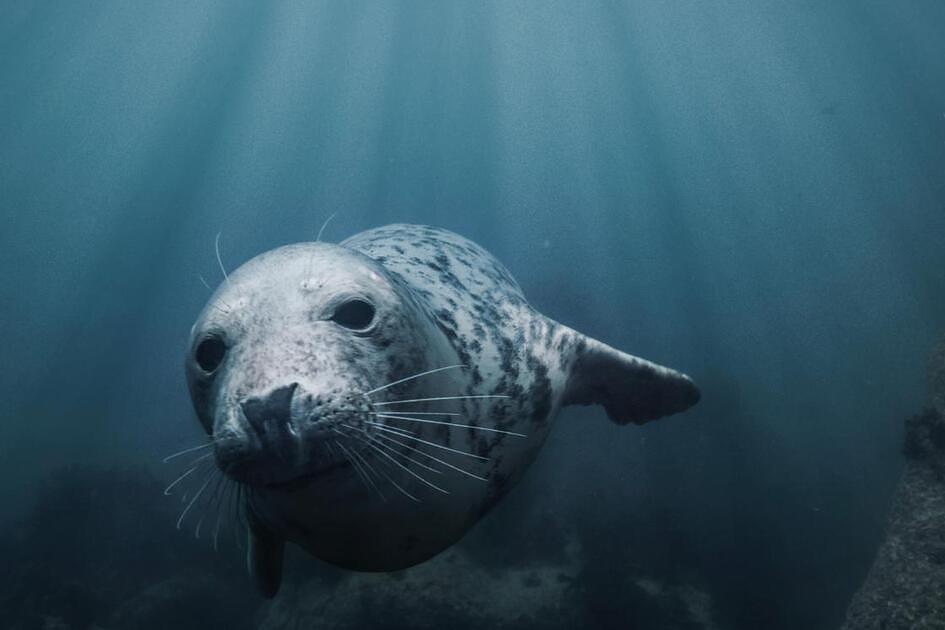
(272, 411)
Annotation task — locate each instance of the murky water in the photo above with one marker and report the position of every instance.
(751, 191)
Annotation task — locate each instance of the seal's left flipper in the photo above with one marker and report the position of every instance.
(630, 389)
(264, 557)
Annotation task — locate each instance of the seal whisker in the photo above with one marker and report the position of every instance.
(410, 378)
(235, 517)
(422, 413)
(321, 231)
(200, 459)
(196, 496)
(368, 466)
(436, 459)
(224, 499)
(412, 473)
(394, 430)
(204, 282)
(381, 427)
(231, 511)
(350, 455)
(187, 473)
(318, 239)
(394, 483)
(242, 497)
(186, 450)
(408, 458)
(451, 450)
(357, 468)
(452, 424)
(216, 247)
(208, 505)
(392, 402)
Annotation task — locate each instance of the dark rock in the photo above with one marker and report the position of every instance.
(937, 378)
(195, 601)
(925, 440)
(905, 588)
(452, 590)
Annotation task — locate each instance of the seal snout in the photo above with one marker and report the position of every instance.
(270, 416)
(285, 433)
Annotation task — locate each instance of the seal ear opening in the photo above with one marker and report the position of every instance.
(264, 557)
(630, 389)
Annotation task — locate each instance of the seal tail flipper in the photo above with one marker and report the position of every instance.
(264, 557)
(630, 389)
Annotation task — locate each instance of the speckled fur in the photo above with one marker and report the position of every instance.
(510, 348)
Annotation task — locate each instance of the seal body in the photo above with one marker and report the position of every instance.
(378, 397)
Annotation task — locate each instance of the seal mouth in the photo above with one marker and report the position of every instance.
(283, 438)
(306, 479)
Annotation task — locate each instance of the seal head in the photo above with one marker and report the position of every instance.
(282, 354)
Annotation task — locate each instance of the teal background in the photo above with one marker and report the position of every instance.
(748, 190)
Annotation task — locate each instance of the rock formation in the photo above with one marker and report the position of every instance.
(905, 588)
(937, 378)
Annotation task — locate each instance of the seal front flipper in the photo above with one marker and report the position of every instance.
(631, 389)
(264, 557)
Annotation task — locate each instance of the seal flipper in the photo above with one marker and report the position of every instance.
(264, 557)
(630, 389)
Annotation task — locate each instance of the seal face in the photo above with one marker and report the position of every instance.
(377, 397)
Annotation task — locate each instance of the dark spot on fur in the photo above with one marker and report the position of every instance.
(507, 356)
(449, 278)
(447, 317)
(541, 390)
(580, 346)
(559, 347)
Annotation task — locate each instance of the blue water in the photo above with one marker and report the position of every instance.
(750, 191)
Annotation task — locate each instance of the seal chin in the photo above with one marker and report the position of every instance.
(306, 479)
(262, 467)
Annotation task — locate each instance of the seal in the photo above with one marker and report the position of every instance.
(377, 397)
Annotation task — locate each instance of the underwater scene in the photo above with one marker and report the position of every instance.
(472, 314)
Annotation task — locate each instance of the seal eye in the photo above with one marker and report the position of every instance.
(354, 314)
(209, 353)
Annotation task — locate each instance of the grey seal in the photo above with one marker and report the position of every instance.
(375, 398)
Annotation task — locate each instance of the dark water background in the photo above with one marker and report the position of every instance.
(751, 191)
